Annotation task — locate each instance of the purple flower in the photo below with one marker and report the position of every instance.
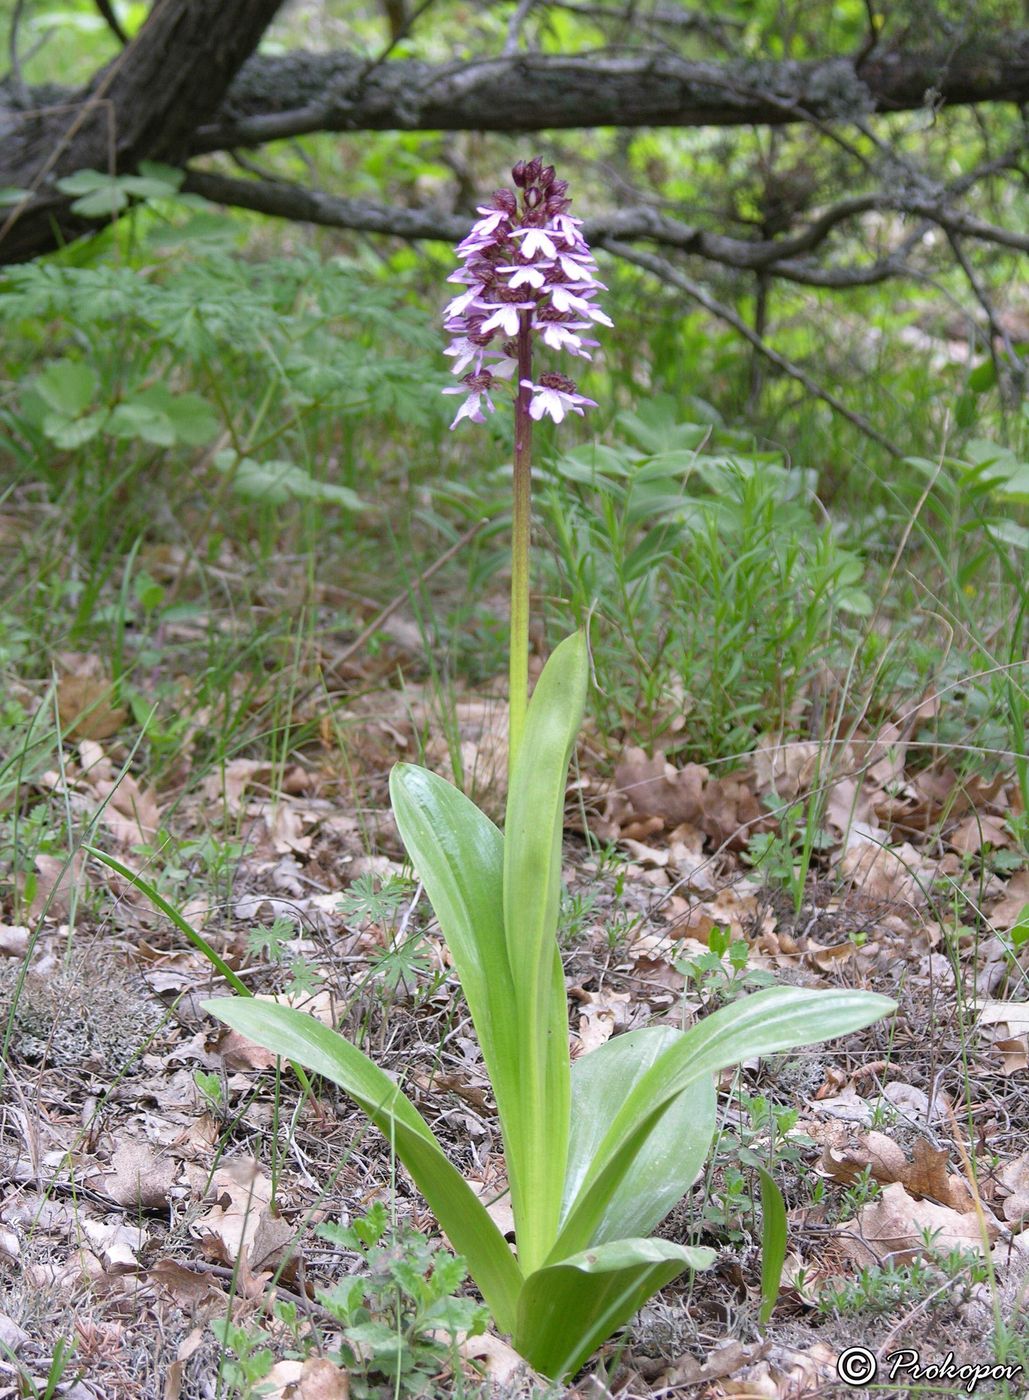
(528, 277)
(505, 316)
(555, 394)
(477, 387)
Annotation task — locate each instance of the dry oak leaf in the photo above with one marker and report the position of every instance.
(602, 1013)
(85, 709)
(723, 1360)
(482, 731)
(724, 809)
(131, 816)
(56, 878)
(241, 1219)
(116, 1244)
(882, 873)
(1008, 910)
(1014, 1054)
(313, 1379)
(787, 769)
(1013, 1014)
(187, 1287)
(925, 1175)
(896, 1227)
(14, 940)
(137, 1177)
(975, 832)
(1014, 1177)
(237, 1053)
(495, 1357)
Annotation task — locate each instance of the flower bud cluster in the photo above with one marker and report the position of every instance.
(527, 274)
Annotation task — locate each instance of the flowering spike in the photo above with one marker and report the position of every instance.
(527, 278)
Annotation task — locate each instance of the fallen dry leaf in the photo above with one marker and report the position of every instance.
(896, 1227)
(137, 1177)
(1014, 1054)
(601, 1014)
(495, 1357)
(85, 709)
(1014, 1177)
(313, 1379)
(56, 878)
(131, 815)
(241, 1220)
(236, 1052)
(1013, 1014)
(925, 1175)
(187, 1287)
(14, 940)
(893, 875)
(1009, 908)
(977, 831)
(650, 793)
(115, 1244)
(721, 1361)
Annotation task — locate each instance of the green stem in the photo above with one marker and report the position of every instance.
(519, 674)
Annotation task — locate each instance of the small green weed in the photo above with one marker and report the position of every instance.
(404, 1294)
(887, 1288)
(722, 974)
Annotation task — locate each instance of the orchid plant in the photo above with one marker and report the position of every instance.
(600, 1150)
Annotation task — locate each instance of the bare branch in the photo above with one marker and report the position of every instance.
(775, 257)
(674, 277)
(523, 10)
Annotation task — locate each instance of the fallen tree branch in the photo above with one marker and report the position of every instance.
(774, 257)
(277, 96)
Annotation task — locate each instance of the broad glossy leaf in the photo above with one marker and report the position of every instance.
(668, 1160)
(459, 856)
(461, 1214)
(567, 1309)
(538, 1143)
(777, 1019)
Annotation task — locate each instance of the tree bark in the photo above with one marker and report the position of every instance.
(190, 83)
(145, 104)
(275, 97)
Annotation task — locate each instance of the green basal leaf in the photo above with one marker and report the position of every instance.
(538, 1142)
(459, 856)
(168, 175)
(773, 1243)
(668, 1160)
(567, 1309)
(192, 418)
(297, 1036)
(777, 1019)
